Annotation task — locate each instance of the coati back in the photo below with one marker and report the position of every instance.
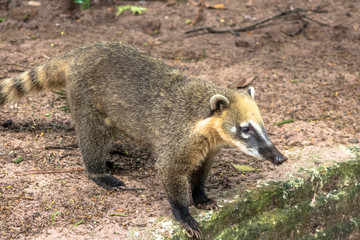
(185, 121)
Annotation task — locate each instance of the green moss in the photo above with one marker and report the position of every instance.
(340, 230)
(299, 207)
(281, 223)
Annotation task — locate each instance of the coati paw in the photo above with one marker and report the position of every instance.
(191, 227)
(108, 181)
(197, 234)
(209, 205)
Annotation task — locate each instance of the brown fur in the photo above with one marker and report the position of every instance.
(114, 87)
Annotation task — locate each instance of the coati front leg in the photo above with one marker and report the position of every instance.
(176, 185)
(94, 142)
(198, 179)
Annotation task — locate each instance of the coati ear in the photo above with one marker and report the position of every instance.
(218, 102)
(251, 92)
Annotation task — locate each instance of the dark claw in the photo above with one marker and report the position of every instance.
(193, 233)
(190, 233)
(108, 182)
(117, 188)
(191, 227)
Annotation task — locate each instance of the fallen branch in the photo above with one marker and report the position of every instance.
(70, 146)
(44, 171)
(287, 11)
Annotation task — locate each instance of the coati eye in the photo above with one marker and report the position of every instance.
(245, 129)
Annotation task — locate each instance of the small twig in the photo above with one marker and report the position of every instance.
(198, 12)
(201, 5)
(64, 156)
(70, 146)
(209, 29)
(43, 171)
(287, 11)
(131, 189)
(47, 57)
(316, 21)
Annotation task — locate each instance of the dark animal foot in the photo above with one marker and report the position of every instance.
(209, 205)
(108, 181)
(191, 226)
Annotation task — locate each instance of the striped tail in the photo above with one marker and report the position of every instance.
(50, 76)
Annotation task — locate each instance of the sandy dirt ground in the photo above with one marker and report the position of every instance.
(304, 67)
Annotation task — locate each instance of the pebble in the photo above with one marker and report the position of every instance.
(354, 140)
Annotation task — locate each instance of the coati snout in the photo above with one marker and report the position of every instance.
(272, 154)
(184, 121)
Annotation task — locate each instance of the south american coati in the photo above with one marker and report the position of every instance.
(113, 87)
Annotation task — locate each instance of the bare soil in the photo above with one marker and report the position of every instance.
(310, 75)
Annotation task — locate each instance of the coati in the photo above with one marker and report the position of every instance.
(184, 121)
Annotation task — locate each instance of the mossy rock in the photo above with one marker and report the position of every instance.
(324, 204)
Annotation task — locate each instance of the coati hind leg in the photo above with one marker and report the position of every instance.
(198, 179)
(95, 142)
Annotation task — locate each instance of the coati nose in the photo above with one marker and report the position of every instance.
(280, 159)
(272, 154)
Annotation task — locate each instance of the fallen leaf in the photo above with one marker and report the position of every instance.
(219, 6)
(243, 83)
(244, 168)
(284, 122)
(78, 223)
(34, 3)
(19, 160)
(118, 214)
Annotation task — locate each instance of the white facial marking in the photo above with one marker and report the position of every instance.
(244, 135)
(251, 92)
(233, 129)
(249, 151)
(244, 124)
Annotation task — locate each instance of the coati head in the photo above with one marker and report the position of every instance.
(238, 122)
